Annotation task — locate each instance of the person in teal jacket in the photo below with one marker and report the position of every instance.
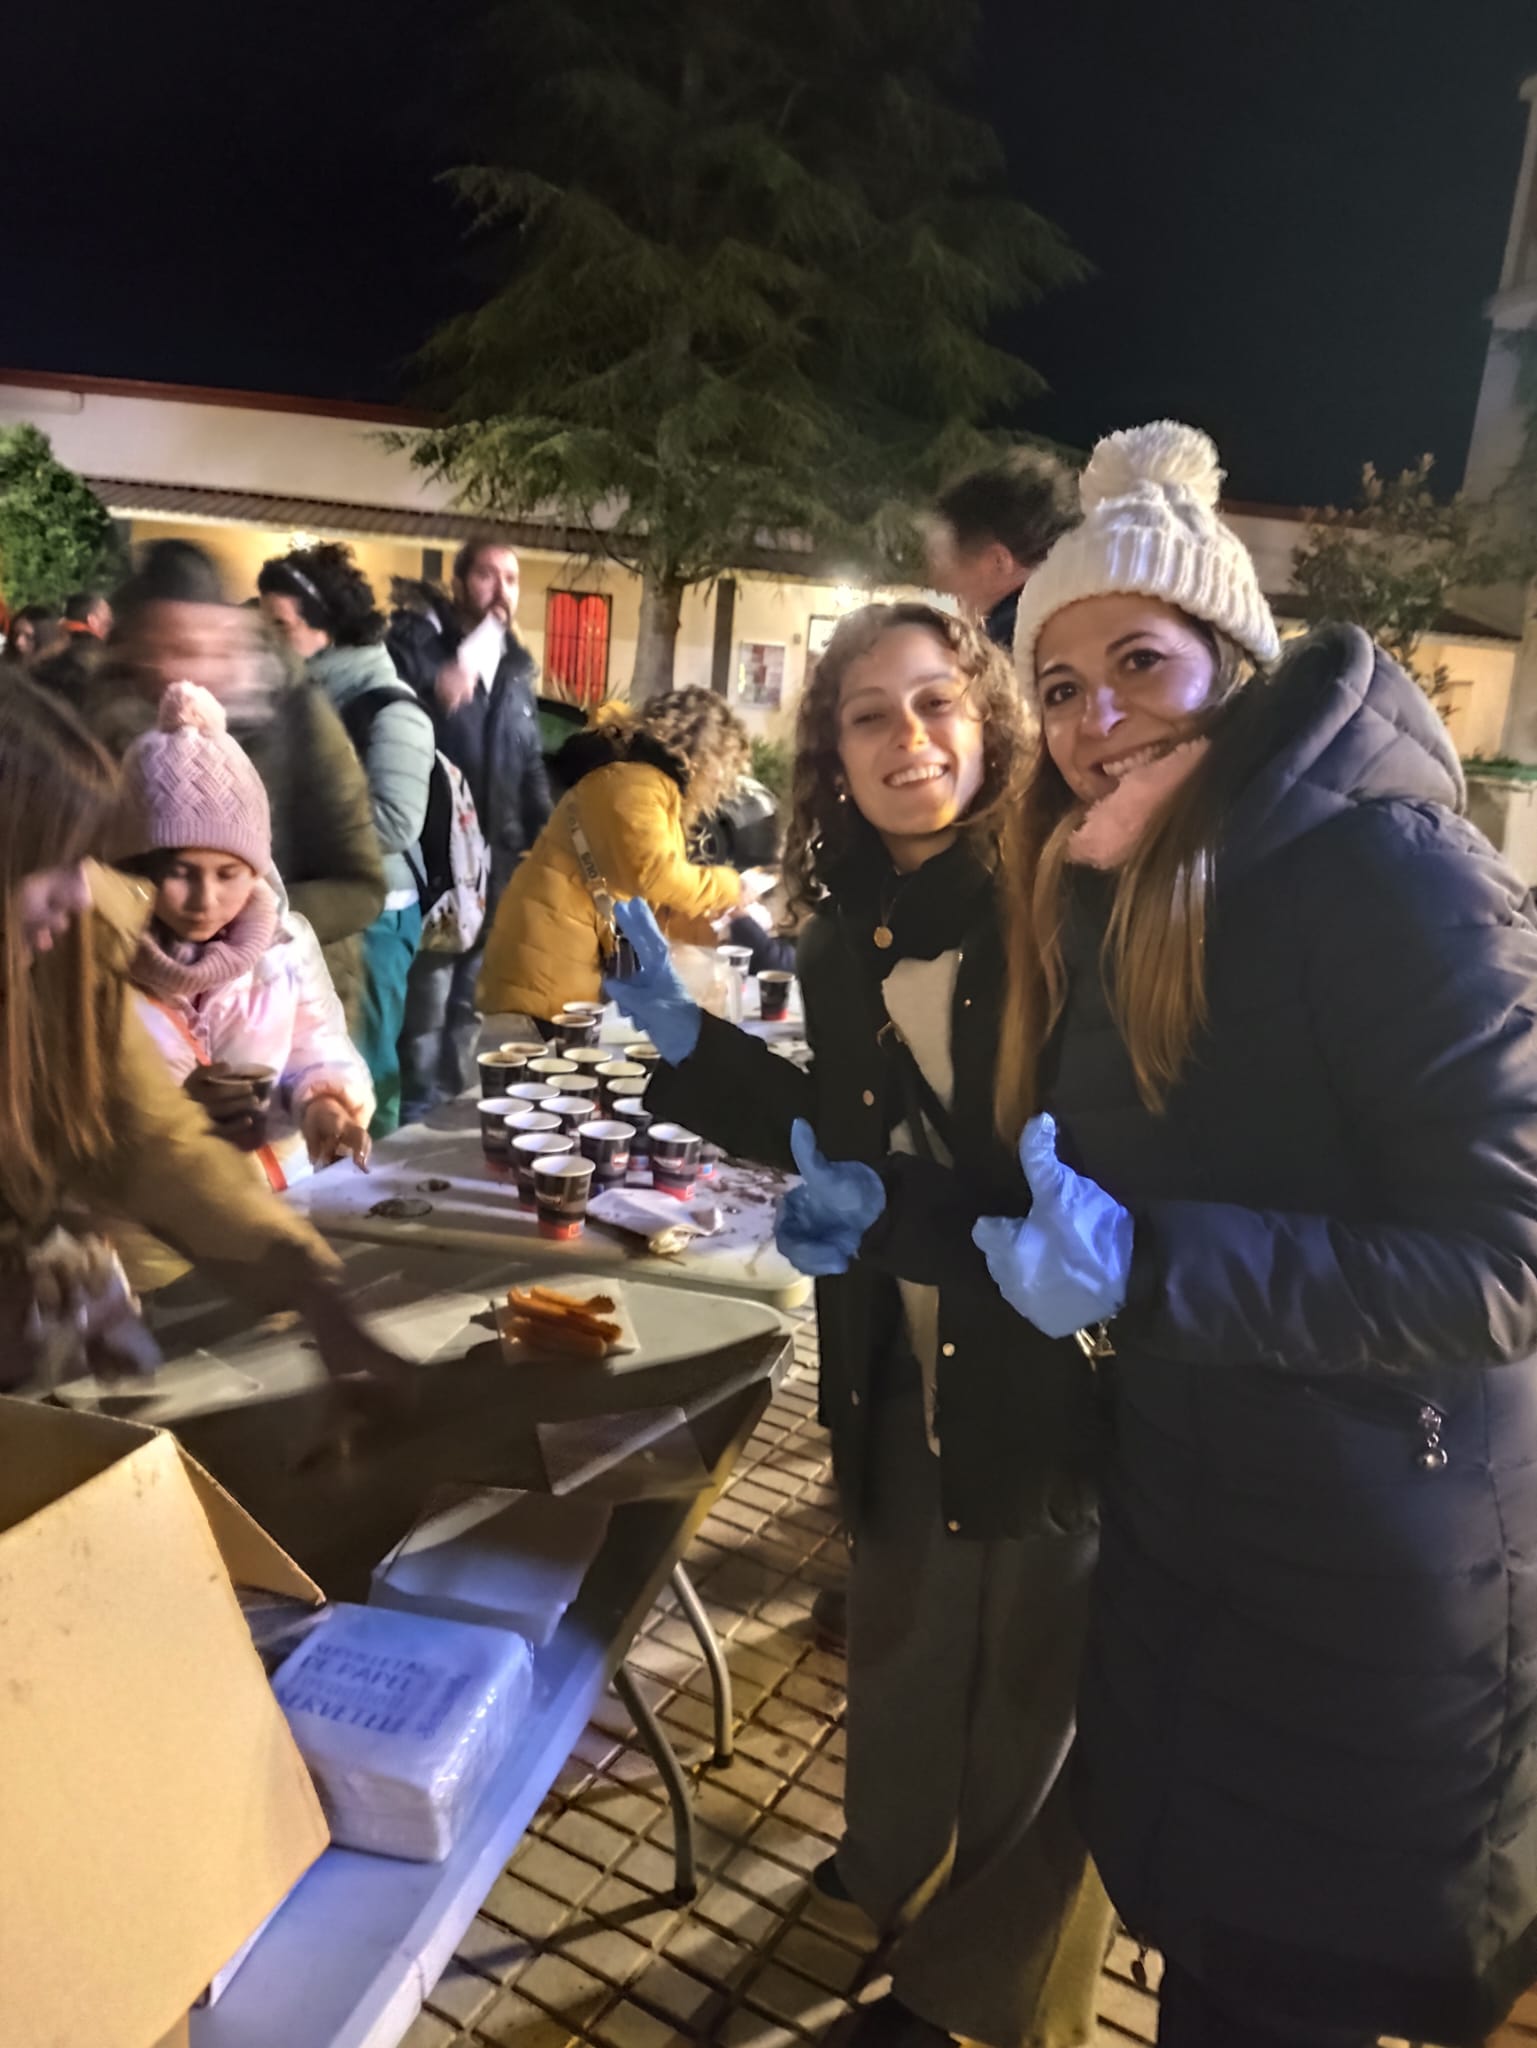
(322, 605)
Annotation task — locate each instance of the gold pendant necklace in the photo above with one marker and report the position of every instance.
(883, 936)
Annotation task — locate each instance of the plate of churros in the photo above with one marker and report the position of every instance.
(584, 1321)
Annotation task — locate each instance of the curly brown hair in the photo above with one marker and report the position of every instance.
(702, 731)
(822, 822)
(332, 592)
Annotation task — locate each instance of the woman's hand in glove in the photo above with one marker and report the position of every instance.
(653, 997)
(1066, 1265)
(822, 1222)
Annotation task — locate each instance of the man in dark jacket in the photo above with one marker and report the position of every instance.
(476, 677)
(992, 528)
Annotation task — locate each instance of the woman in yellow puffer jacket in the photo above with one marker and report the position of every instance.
(640, 778)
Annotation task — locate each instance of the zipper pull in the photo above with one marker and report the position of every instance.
(1431, 1455)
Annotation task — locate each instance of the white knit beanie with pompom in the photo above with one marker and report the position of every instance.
(188, 784)
(1151, 525)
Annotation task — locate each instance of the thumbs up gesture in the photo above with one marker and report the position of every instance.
(1065, 1265)
(822, 1221)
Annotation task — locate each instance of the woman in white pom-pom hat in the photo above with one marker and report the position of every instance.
(1269, 1040)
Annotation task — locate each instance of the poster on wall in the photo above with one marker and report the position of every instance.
(760, 674)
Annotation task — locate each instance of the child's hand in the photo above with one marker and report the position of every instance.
(330, 1130)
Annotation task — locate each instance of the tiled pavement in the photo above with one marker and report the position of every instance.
(580, 1942)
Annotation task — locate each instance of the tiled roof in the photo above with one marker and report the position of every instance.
(127, 497)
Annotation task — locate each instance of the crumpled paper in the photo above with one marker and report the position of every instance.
(84, 1318)
(668, 1226)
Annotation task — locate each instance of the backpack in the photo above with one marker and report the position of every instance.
(451, 865)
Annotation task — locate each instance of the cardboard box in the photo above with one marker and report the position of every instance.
(153, 1807)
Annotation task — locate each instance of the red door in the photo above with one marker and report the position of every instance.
(576, 646)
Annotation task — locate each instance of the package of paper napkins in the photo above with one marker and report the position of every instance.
(402, 1719)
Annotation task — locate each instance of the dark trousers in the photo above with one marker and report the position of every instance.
(1188, 2017)
(439, 1033)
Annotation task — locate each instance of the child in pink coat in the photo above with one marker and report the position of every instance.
(226, 974)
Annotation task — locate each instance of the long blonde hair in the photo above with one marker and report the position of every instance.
(1154, 958)
(59, 1013)
(821, 829)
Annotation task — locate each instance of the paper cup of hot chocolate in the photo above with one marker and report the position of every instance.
(494, 1112)
(674, 1159)
(528, 1148)
(774, 995)
(573, 1110)
(529, 1094)
(607, 1144)
(579, 1023)
(498, 1070)
(561, 1190)
(549, 1066)
(588, 1057)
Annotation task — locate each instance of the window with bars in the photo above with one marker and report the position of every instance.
(576, 645)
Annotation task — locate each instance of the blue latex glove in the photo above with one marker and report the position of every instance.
(822, 1221)
(653, 997)
(1064, 1266)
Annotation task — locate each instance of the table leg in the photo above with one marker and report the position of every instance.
(660, 1750)
(715, 1657)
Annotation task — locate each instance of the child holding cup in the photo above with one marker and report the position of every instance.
(230, 981)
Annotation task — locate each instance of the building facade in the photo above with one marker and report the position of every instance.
(249, 475)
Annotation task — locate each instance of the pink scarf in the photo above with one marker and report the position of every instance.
(179, 968)
(1108, 836)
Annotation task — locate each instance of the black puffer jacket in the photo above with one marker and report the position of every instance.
(493, 739)
(1016, 1419)
(1307, 1758)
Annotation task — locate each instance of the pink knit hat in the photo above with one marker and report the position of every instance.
(190, 784)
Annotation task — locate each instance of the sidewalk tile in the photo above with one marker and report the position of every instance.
(514, 2023)
(461, 1994)
(628, 2026)
(564, 1988)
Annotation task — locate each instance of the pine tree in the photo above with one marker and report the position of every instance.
(745, 258)
(56, 536)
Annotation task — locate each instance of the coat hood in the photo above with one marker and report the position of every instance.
(346, 672)
(1337, 725)
(599, 746)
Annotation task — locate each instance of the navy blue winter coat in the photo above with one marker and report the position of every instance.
(1307, 1750)
(493, 739)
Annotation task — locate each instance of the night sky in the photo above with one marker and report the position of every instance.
(1295, 209)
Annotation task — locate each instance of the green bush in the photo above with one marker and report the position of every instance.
(771, 764)
(56, 536)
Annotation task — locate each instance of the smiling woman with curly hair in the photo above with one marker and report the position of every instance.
(639, 778)
(965, 1456)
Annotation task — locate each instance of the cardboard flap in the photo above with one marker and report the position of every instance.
(153, 1807)
(45, 1452)
(250, 1556)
